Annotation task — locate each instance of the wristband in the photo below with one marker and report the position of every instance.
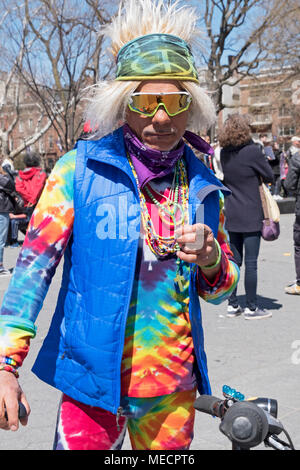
(11, 369)
(8, 360)
(213, 266)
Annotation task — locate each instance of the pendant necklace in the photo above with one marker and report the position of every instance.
(173, 213)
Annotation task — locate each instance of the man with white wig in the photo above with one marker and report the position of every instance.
(139, 220)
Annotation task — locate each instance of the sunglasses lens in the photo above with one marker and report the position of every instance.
(175, 103)
(147, 104)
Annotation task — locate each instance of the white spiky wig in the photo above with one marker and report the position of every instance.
(107, 100)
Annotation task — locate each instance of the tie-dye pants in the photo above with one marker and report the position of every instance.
(159, 423)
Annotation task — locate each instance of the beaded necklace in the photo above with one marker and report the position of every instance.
(163, 246)
(172, 204)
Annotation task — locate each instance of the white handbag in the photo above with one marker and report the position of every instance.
(272, 209)
(270, 226)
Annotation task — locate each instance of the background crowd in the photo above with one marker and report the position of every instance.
(242, 162)
(19, 194)
(275, 153)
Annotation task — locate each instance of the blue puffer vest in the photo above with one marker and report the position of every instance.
(82, 352)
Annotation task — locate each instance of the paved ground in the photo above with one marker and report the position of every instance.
(259, 358)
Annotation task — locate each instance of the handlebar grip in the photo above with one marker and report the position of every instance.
(209, 404)
(245, 424)
(22, 411)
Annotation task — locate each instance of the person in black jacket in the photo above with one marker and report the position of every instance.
(275, 165)
(244, 165)
(7, 196)
(292, 183)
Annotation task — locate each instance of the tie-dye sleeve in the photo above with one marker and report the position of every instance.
(228, 276)
(47, 236)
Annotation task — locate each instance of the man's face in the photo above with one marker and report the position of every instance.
(161, 131)
(297, 144)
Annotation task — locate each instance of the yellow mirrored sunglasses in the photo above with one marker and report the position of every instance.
(148, 103)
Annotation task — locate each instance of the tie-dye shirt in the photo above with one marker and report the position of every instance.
(158, 355)
(158, 352)
(46, 239)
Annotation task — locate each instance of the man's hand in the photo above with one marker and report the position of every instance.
(197, 245)
(10, 395)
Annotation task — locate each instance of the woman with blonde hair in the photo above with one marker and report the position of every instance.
(244, 165)
(140, 221)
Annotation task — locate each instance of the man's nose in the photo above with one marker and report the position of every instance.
(161, 116)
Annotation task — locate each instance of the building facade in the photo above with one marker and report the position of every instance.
(21, 119)
(271, 99)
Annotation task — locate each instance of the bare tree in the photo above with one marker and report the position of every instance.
(66, 59)
(53, 50)
(12, 87)
(234, 46)
(283, 41)
(282, 50)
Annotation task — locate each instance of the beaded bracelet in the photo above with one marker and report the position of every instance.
(7, 360)
(8, 368)
(212, 266)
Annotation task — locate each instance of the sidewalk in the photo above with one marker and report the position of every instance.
(258, 358)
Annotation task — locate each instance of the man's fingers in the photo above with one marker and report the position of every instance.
(192, 240)
(3, 421)
(10, 396)
(23, 400)
(185, 229)
(190, 248)
(196, 244)
(187, 257)
(12, 409)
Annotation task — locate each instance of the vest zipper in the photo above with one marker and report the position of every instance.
(123, 325)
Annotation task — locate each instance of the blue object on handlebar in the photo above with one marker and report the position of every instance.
(229, 392)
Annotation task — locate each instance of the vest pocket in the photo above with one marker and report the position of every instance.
(72, 316)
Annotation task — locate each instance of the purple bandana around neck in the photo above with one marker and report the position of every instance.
(150, 163)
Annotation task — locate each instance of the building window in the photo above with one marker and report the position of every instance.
(287, 130)
(262, 117)
(258, 96)
(50, 141)
(30, 123)
(284, 111)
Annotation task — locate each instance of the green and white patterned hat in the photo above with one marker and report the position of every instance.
(156, 56)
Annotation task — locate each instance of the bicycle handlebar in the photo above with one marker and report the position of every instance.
(245, 423)
(210, 405)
